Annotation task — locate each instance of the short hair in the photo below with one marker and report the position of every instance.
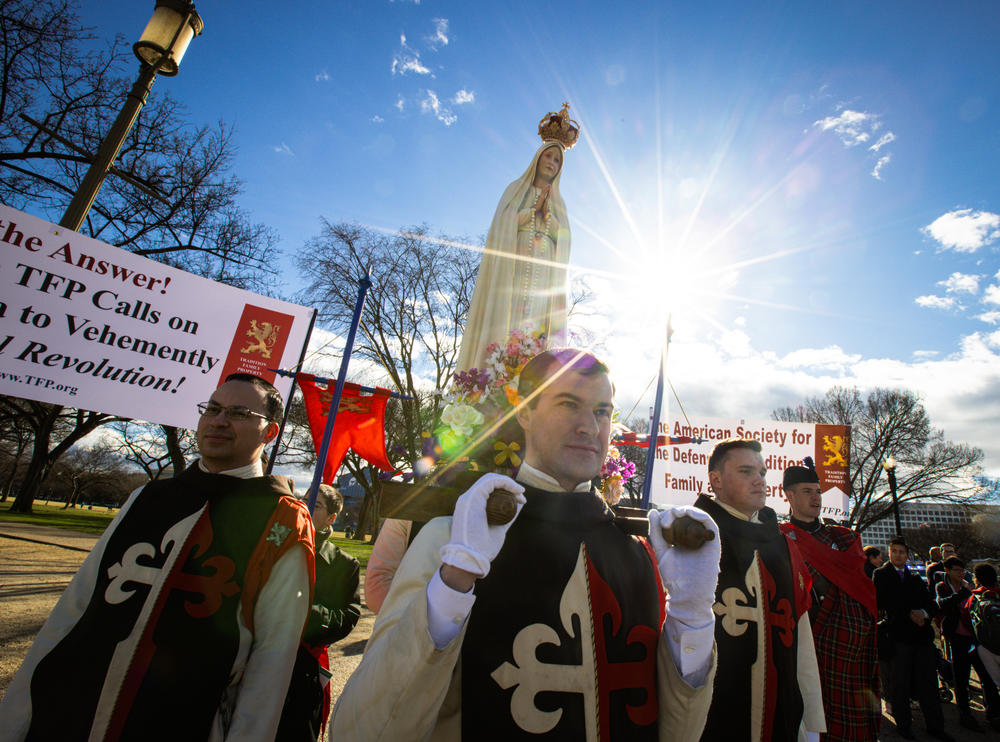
(899, 541)
(538, 370)
(953, 561)
(722, 448)
(935, 553)
(948, 543)
(872, 551)
(986, 575)
(273, 405)
(331, 499)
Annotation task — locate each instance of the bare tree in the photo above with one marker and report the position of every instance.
(145, 445)
(92, 475)
(412, 323)
(171, 197)
(54, 431)
(893, 422)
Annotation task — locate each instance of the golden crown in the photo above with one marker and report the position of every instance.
(559, 127)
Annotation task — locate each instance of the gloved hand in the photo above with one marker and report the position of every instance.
(474, 543)
(690, 576)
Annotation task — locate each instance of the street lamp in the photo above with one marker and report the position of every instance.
(890, 469)
(160, 50)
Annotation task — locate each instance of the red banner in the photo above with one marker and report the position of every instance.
(258, 343)
(360, 424)
(833, 456)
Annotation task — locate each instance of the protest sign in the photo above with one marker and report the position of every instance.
(680, 472)
(85, 324)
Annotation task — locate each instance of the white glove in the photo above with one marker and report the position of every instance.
(474, 543)
(689, 575)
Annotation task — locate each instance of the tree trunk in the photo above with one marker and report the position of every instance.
(368, 515)
(38, 466)
(174, 448)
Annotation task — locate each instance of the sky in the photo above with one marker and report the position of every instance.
(809, 190)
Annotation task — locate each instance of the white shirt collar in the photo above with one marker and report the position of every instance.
(533, 477)
(251, 470)
(736, 513)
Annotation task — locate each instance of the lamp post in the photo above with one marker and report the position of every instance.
(890, 469)
(160, 50)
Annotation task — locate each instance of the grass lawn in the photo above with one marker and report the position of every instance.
(74, 519)
(96, 520)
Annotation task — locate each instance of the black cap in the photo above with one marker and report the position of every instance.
(798, 474)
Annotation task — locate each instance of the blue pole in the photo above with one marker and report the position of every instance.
(654, 431)
(364, 284)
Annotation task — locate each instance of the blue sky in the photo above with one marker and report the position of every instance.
(810, 188)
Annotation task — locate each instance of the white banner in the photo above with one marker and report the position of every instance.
(84, 324)
(680, 472)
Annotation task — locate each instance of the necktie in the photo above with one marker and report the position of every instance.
(902, 574)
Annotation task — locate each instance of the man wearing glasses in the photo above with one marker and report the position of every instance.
(184, 620)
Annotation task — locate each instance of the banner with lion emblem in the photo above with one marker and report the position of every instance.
(681, 471)
(92, 326)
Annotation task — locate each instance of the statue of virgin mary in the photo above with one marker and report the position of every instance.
(522, 276)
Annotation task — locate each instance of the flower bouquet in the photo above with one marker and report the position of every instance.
(477, 432)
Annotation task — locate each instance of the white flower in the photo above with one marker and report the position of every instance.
(461, 418)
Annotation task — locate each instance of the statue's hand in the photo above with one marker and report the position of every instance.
(542, 204)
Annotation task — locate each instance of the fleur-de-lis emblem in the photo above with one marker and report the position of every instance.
(278, 534)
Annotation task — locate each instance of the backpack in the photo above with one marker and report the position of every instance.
(985, 615)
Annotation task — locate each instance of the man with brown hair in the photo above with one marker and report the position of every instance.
(767, 686)
(187, 613)
(907, 609)
(554, 624)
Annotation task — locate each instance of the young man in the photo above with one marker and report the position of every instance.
(335, 610)
(552, 626)
(986, 588)
(906, 604)
(188, 612)
(767, 686)
(874, 560)
(953, 593)
(843, 612)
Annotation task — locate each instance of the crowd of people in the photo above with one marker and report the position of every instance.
(206, 608)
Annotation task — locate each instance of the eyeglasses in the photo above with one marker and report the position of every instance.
(235, 413)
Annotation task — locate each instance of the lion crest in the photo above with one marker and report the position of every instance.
(263, 337)
(834, 446)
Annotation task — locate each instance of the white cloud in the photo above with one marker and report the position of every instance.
(923, 355)
(964, 230)
(936, 302)
(831, 357)
(322, 76)
(400, 104)
(431, 104)
(376, 119)
(882, 162)
(284, 149)
(860, 127)
(464, 96)
(992, 318)
(853, 127)
(958, 283)
(883, 140)
(407, 60)
(991, 295)
(440, 36)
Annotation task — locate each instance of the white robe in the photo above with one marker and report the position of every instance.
(522, 276)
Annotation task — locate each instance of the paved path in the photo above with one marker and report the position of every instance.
(37, 562)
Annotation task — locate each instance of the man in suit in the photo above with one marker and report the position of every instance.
(907, 607)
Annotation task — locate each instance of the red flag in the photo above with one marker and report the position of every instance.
(360, 423)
